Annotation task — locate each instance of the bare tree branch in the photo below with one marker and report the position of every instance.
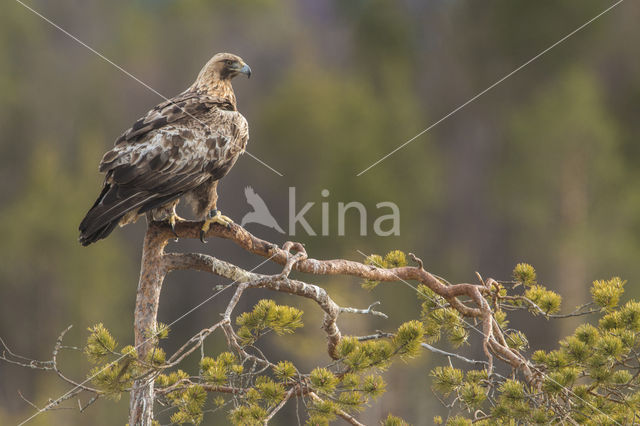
(493, 341)
(470, 300)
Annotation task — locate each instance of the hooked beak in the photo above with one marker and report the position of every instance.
(246, 69)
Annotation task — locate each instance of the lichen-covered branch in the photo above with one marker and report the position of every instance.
(494, 343)
(259, 388)
(152, 272)
(156, 264)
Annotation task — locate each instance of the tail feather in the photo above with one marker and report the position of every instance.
(103, 232)
(112, 205)
(106, 212)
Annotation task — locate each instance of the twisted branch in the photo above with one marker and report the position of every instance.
(494, 343)
(467, 299)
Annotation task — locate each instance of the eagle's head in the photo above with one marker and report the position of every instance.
(222, 67)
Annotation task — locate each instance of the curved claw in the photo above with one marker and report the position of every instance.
(214, 216)
(173, 218)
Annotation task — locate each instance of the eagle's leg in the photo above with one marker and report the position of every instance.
(173, 218)
(214, 216)
(167, 213)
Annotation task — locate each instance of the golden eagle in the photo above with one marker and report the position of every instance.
(182, 147)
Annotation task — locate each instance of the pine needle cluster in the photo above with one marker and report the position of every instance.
(592, 377)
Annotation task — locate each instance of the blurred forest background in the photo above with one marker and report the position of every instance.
(542, 169)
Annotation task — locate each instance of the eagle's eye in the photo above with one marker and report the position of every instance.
(228, 62)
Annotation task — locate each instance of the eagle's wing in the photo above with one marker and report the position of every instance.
(187, 105)
(177, 146)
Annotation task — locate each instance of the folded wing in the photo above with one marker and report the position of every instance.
(176, 147)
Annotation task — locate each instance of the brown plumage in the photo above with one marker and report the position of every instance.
(182, 147)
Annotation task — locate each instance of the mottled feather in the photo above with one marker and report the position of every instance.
(182, 146)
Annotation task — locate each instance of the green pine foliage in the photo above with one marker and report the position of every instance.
(590, 378)
(323, 380)
(548, 301)
(346, 386)
(100, 343)
(190, 403)
(606, 294)
(393, 259)
(217, 371)
(266, 315)
(394, 421)
(284, 371)
(524, 274)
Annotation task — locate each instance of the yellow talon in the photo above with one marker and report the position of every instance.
(173, 219)
(214, 217)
